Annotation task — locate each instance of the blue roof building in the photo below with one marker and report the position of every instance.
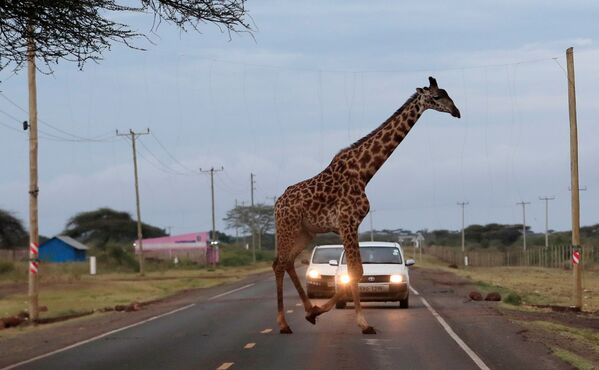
(62, 249)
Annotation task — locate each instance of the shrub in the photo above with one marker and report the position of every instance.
(513, 299)
(6, 267)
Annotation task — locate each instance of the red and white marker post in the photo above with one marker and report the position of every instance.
(33, 257)
(576, 257)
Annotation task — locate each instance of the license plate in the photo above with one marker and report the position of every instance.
(374, 289)
(331, 284)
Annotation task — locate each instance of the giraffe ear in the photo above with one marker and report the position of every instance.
(419, 90)
(433, 83)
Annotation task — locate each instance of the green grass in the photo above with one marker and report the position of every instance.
(67, 288)
(533, 284)
(573, 359)
(588, 337)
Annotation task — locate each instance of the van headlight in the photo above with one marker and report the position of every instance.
(313, 274)
(396, 279)
(344, 279)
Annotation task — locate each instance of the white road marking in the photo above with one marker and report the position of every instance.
(298, 304)
(414, 290)
(266, 331)
(477, 360)
(249, 345)
(225, 366)
(98, 337)
(289, 311)
(231, 291)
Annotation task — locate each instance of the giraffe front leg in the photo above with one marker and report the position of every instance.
(356, 271)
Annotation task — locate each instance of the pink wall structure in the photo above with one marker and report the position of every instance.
(171, 245)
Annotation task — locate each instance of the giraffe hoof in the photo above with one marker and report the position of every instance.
(369, 330)
(286, 330)
(313, 313)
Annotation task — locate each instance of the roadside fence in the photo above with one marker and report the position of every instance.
(554, 256)
(13, 255)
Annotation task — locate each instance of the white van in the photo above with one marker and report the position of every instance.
(385, 278)
(320, 276)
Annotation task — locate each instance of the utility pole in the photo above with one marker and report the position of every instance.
(371, 225)
(133, 134)
(523, 203)
(212, 171)
(463, 205)
(236, 228)
(252, 188)
(546, 199)
(274, 203)
(33, 184)
(577, 267)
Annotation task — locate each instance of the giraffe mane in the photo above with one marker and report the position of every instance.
(373, 132)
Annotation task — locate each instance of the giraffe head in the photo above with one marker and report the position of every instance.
(437, 99)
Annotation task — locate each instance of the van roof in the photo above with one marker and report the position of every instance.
(362, 244)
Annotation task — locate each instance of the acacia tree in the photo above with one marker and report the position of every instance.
(258, 219)
(104, 226)
(12, 232)
(80, 30)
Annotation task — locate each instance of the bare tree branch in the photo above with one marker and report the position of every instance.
(81, 30)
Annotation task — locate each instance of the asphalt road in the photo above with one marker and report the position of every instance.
(234, 327)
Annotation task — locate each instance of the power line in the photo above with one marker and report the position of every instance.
(74, 137)
(170, 155)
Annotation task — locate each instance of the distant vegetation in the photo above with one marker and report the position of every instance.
(12, 231)
(106, 226)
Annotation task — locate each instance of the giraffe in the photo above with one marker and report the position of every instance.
(335, 201)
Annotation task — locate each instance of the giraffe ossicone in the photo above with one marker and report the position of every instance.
(335, 201)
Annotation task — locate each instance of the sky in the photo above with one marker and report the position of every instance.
(313, 78)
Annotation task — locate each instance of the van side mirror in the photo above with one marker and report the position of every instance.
(333, 263)
(410, 262)
(305, 262)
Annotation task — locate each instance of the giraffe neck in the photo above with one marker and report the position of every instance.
(374, 149)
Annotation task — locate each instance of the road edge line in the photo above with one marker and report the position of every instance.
(74, 345)
(230, 291)
(473, 356)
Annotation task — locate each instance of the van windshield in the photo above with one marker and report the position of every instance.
(380, 255)
(324, 255)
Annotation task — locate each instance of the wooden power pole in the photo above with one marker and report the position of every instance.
(274, 203)
(576, 247)
(523, 204)
(252, 188)
(463, 205)
(546, 199)
(133, 134)
(33, 183)
(211, 171)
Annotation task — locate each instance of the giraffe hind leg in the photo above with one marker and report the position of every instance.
(279, 270)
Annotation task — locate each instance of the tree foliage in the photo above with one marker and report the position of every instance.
(258, 218)
(12, 232)
(81, 30)
(105, 226)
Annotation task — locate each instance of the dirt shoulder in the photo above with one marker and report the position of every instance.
(570, 338)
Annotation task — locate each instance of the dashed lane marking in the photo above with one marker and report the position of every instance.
(98, 337)
(266, 331)
(289, 311)
(250, 345)
(477, 360)
(225, 366)
(298, 304)
(231, 291)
